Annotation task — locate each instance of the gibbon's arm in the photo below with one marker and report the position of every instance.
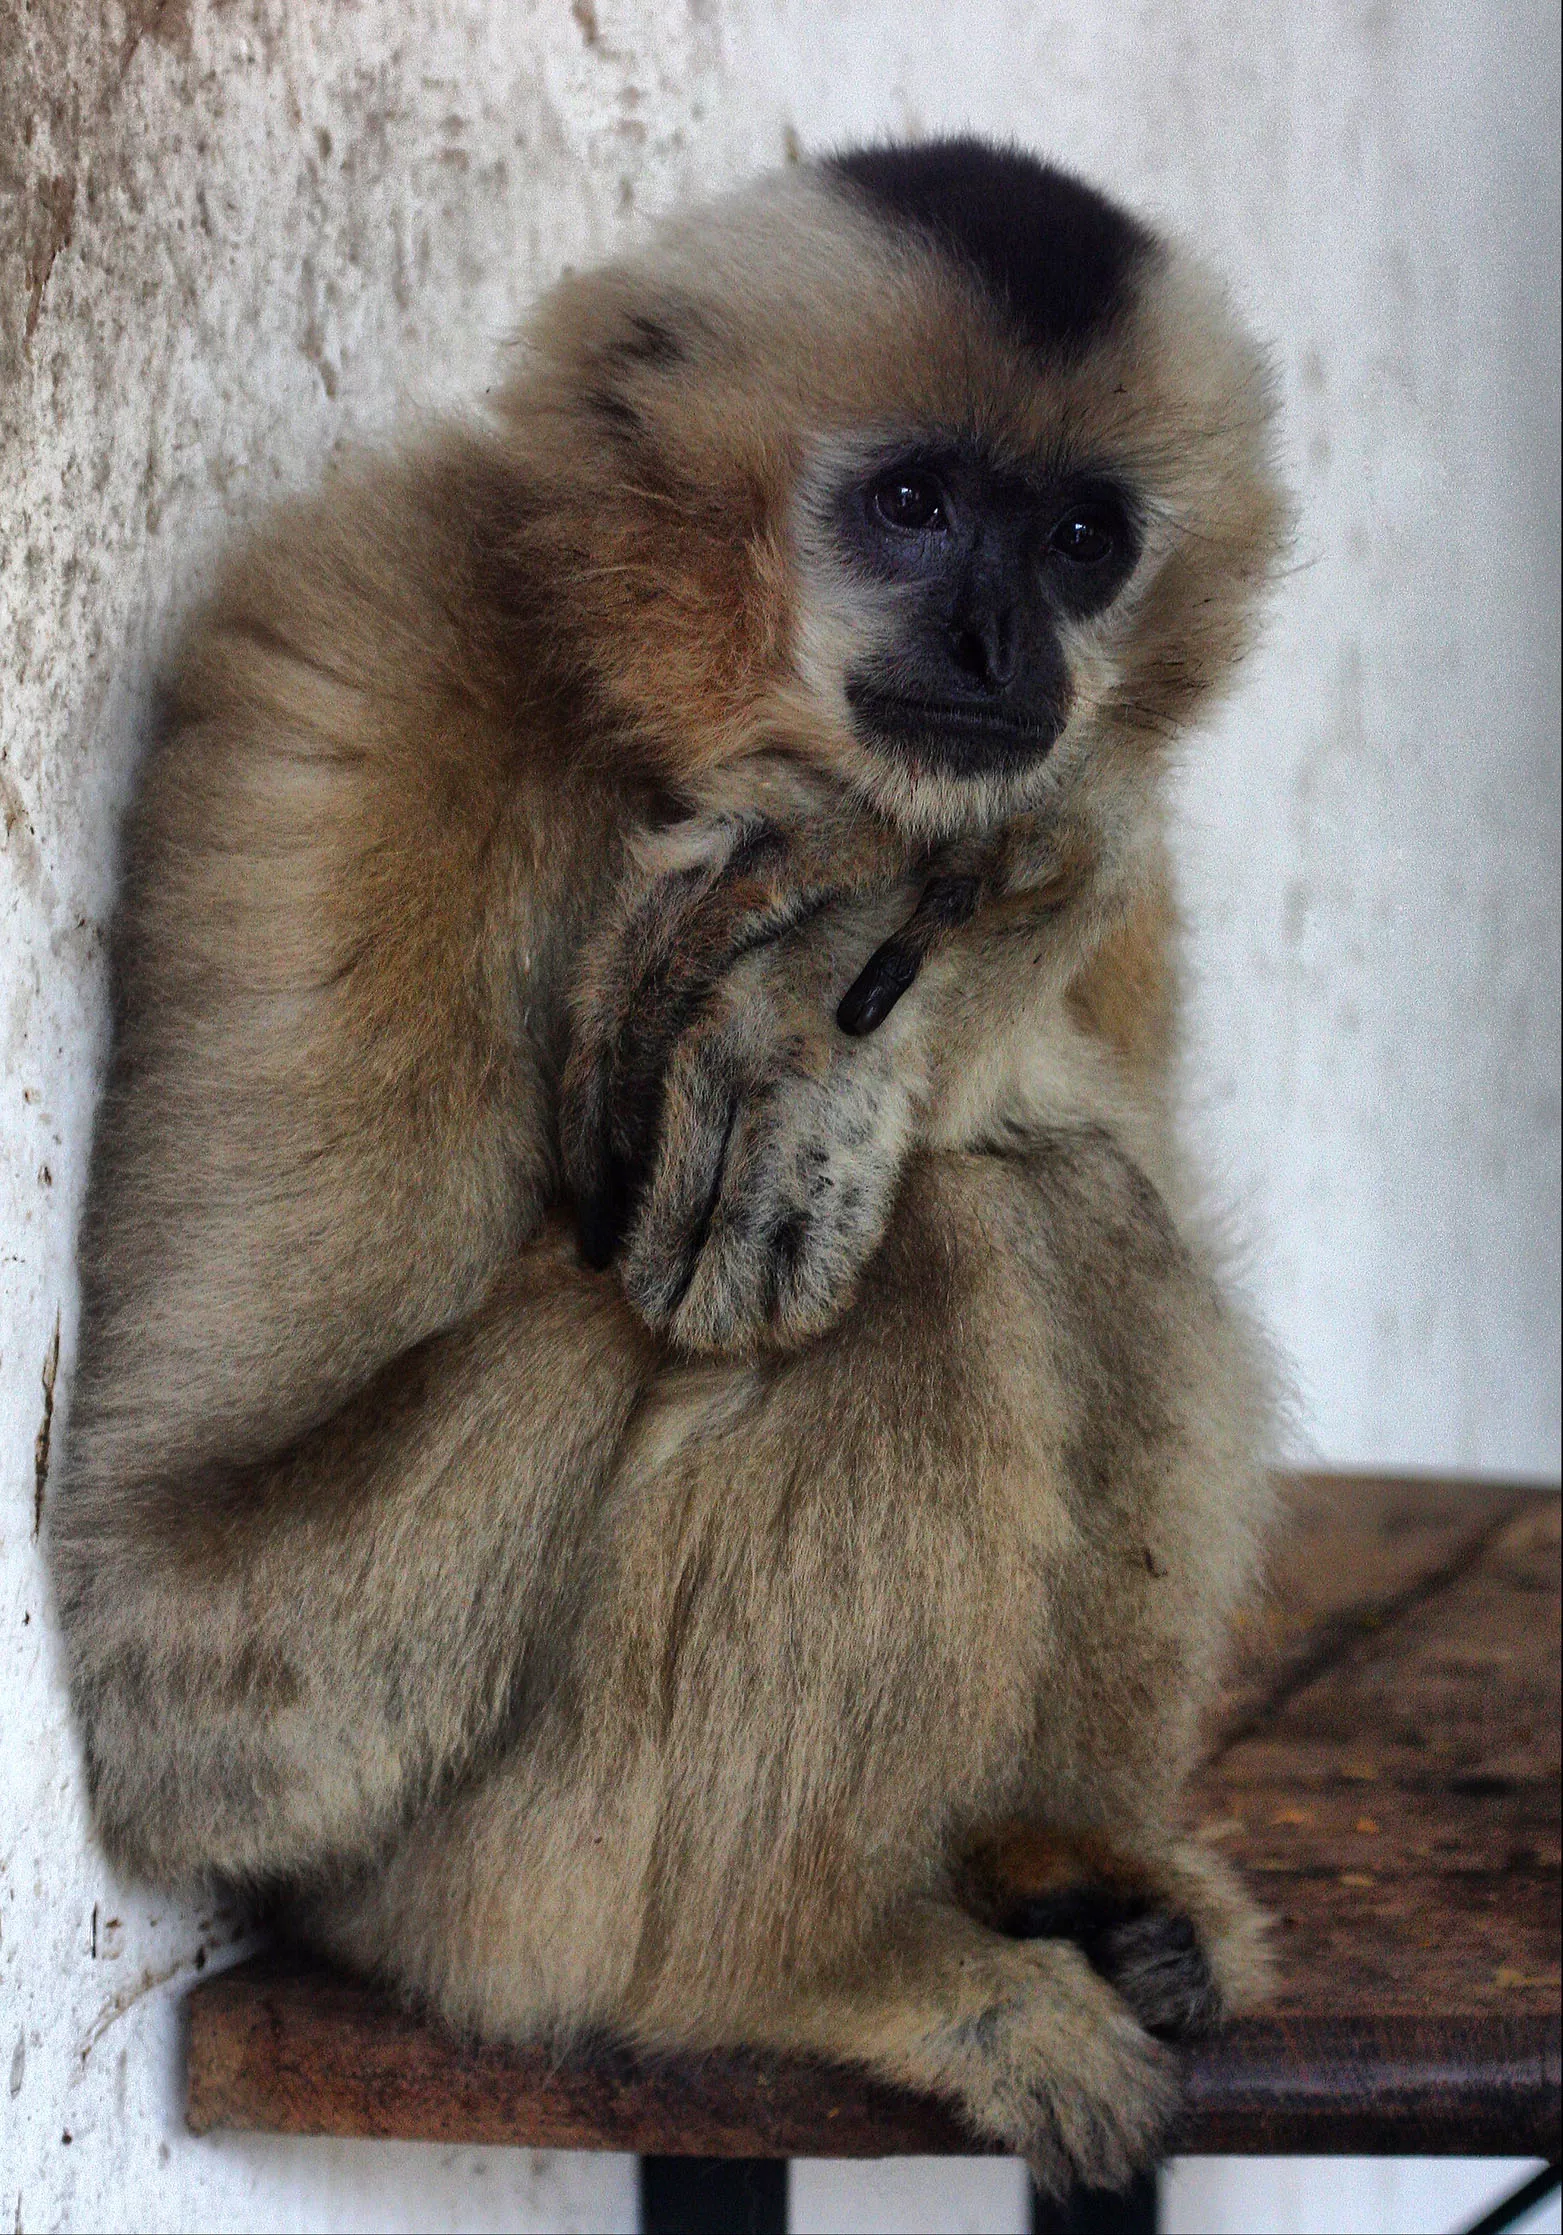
(355, 883)
(357, 872)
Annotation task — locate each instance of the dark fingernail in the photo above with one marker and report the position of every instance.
(877, 988)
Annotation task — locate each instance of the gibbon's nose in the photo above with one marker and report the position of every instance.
(985, 645)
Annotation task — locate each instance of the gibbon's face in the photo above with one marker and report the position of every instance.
(927, 465)
(982, 570)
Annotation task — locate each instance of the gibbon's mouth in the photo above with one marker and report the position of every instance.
(970, 737)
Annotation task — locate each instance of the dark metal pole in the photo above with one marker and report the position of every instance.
(713, 2196)
(1530, 2193)
(1098, 2211)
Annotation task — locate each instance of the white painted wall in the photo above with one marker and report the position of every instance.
(232, 236)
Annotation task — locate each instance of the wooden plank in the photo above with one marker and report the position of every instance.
(1386, 1769)
(292, 2051)
(1398, 1809)
(1357, 1554)
(1388, 2086)
(297, 2051)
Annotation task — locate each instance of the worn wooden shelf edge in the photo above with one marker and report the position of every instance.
(279, 2049)
(1384, 1770)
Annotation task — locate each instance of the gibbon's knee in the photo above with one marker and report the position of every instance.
(275, 1665)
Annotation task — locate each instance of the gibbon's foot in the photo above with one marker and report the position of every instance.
(725, 1140)
(1083, 2094)
(1033, 2046)
(1177, 1937)
(1152, 1957)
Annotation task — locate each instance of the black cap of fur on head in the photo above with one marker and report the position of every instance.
(1057, 256)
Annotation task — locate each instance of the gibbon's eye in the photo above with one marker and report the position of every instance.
(1086, 535)
(909, 500)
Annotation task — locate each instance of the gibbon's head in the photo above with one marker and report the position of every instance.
(926, 464)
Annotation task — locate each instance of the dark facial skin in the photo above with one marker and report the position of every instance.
(985, 564)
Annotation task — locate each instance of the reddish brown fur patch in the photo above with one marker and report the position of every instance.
(1127, 993)
(1022, 1862)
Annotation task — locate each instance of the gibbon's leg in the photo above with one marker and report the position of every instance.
(967, 1557)
(524, 1916)
(275, 1664)
(1024, 2036)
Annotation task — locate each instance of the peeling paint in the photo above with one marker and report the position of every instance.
(51, 1367)
(55, 206)
(166, 21)
(13, 811)
(121, 2004)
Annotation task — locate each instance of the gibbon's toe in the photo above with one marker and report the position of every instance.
(1157, 1964)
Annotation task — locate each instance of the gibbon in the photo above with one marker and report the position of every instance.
(655, 1445)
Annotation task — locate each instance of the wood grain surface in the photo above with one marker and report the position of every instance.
(1385, 1768)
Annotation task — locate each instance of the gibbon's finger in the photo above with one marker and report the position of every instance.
(774, 1177)
(771, 883)
(801, 1204)
(718, 1259)
(717, 1092)
(706, 1098)
(1031, 855)
(754, 898)
(634, 1009)
(691, 1214)
(678, 944)
(947, 903)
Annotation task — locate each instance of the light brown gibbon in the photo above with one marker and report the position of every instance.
(655, 1445)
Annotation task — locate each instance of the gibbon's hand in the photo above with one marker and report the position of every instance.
(726, 1139)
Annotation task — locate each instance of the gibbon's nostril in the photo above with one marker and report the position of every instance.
(969, 654)
(987, 648)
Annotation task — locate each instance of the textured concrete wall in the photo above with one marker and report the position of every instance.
(232, 236)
